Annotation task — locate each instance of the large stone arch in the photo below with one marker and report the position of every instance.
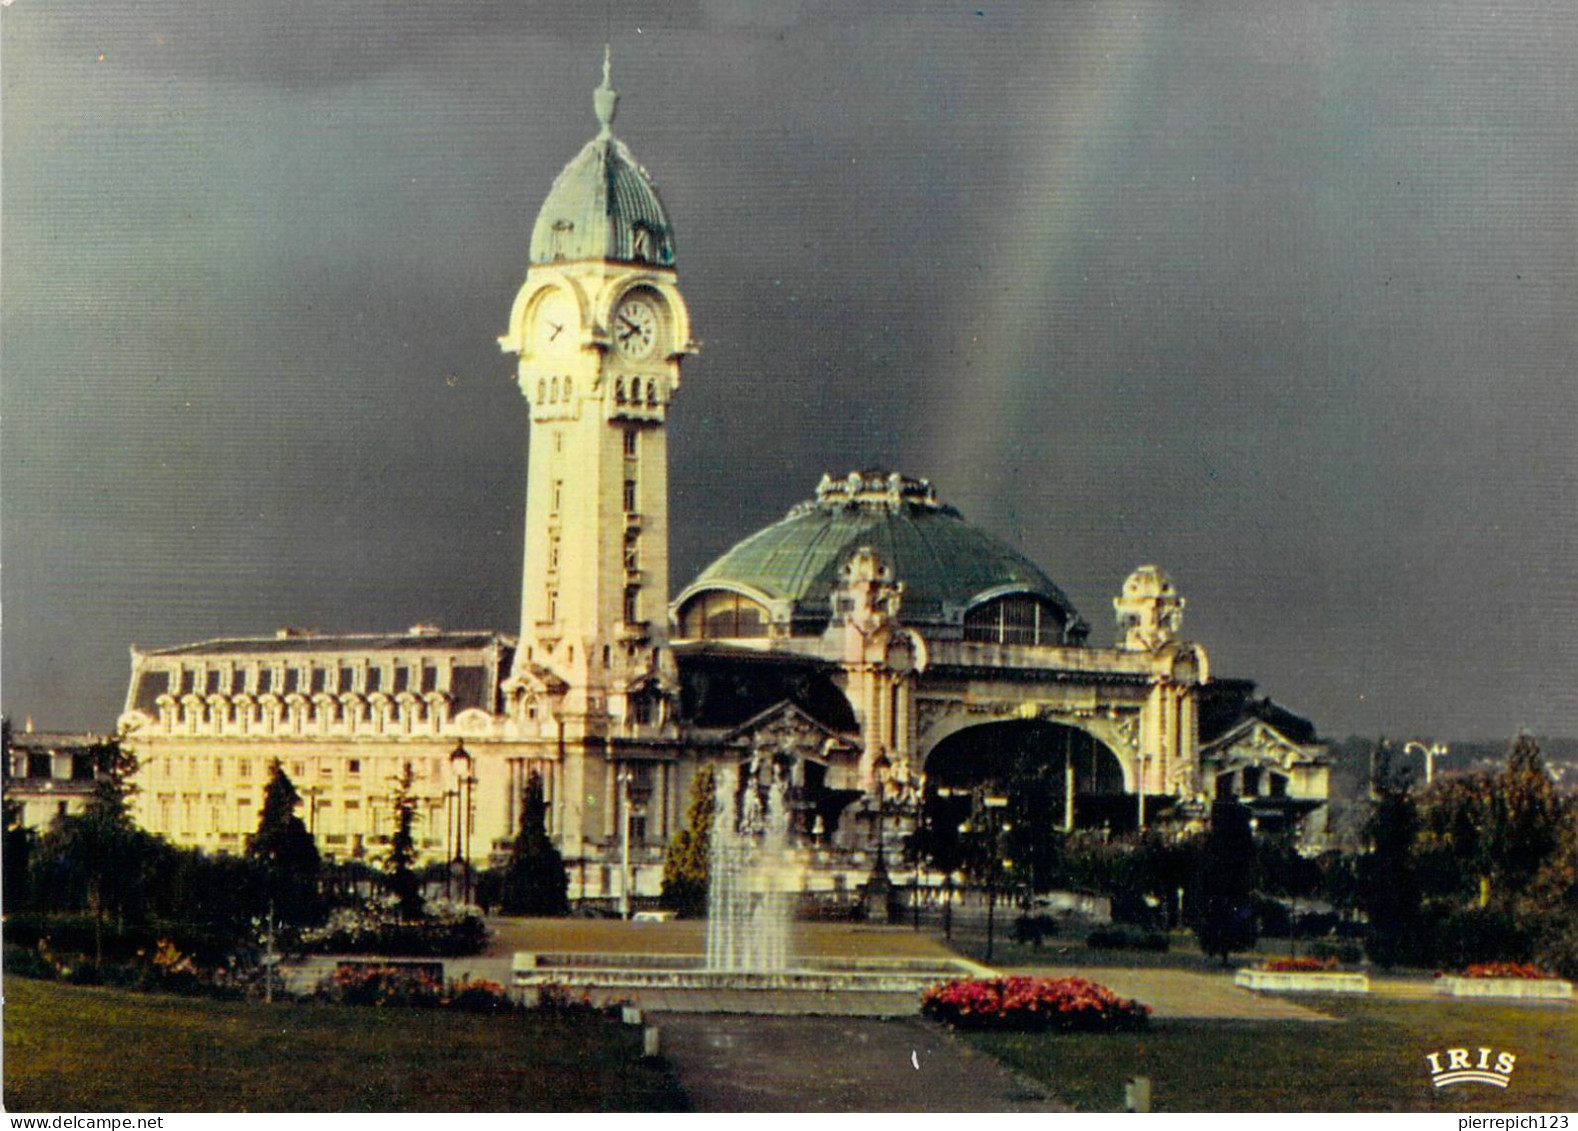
(1024, 770)
(1116, 729)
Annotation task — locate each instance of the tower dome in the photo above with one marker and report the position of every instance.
(603, 205)
(957, 579)
(1150, 610)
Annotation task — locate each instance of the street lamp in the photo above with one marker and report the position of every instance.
(1431, 753)
(626, 776)
(996, 829)
(985, 819)
(460, 761)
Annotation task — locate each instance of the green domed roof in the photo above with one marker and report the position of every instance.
(945, 564)
(603, 205)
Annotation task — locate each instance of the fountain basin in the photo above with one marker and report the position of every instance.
(876, 986)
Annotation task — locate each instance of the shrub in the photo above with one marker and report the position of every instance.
(385, 985)
(1299, 965)
(1033, 1004)
(1343, 951)
(445, 930)
(478, 996)
(1033, 928)
(1115, 938)
(27, 962)
(559, 1001)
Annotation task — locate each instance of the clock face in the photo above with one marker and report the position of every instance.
(635, 328)
(554, 327)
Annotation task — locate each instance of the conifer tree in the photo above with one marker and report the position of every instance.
(535, 882)
(1223, 915)
(285, 848)
(687, 863)
(399, 862)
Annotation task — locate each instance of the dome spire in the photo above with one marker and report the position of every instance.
(605, 99)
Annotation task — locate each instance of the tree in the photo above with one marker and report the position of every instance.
(399, 873)
(535, 882)
(1388, 878)
(1497, 860)
(1221, 910)
(101, 852)
(286, 849)
(688, 861)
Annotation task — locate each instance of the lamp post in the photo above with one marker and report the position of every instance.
(996, 828)
(985, 819)
(311, 809)
(625, 778)
(461, 763)
(1431, 753)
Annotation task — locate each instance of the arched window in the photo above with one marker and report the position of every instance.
(721, 614)
(635, 390)
(542, 391)
(1016, 619)
(553, 390)
(619, 391)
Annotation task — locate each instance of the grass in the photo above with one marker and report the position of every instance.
(71, 1048)
(1373, 1061)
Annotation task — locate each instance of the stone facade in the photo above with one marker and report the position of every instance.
(867, 650)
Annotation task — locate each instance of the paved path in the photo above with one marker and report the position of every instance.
(1185, 994)
(771, 1064)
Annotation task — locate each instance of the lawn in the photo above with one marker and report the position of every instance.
(1372, 1061)
(71, 1048)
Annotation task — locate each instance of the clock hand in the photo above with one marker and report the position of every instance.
(557, 330)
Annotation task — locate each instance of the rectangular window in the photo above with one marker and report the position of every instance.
(292, 680)
(553, 604)
(630, 443)
(553, 552)
(353, 766)
(632, 551)
(320, 679)
(630, 496)
(238, 681)
(211, 682)
(402, 679)
(429, 678)
(630, 605)
(243, 767)
(219, 767)
(347, 679)
(265, 680)
(375, 679)
(558, 495)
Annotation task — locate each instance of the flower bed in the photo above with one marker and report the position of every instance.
(1505, 970)
(1033, 1004)
(1505, 980)
(445, 930)
(356, 984)
(1299, 965)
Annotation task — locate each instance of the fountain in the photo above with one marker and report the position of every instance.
(755, 883)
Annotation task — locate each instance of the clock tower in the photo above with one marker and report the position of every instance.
(600, 330)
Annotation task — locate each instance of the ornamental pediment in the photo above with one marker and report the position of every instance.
(1257, 744)
(788, 730)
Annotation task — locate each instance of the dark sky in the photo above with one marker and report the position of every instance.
(1283, 298)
